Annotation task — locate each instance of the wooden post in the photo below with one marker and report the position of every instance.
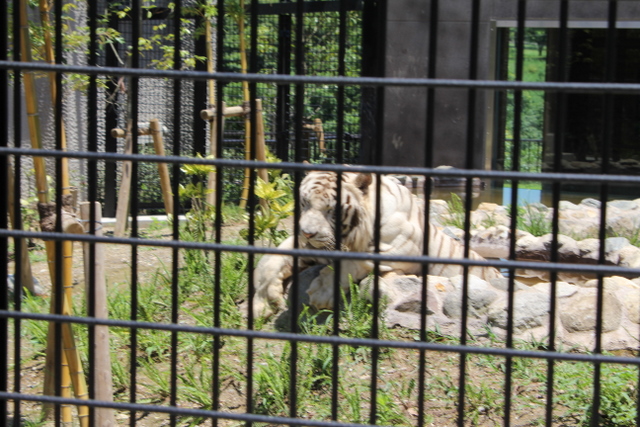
(103, 388)
(165, 183)
(122, 210)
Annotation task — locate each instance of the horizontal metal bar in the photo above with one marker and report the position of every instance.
(173, 410)
(612, 88)
(307, 7)
(323, 339)
(316, 253)
(385, 170)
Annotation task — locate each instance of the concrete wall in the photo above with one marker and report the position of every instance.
(407, 56)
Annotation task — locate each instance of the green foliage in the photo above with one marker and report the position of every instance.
(618, 393)
(532, 218)
(200, 216)
(276, 204)
(532, 117)
(75, 35)
(456, 210)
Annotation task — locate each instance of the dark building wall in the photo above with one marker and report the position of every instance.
(407, 54)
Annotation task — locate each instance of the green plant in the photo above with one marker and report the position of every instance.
(201, 213)
(618, 393)
(632, 235)
(482, 400)
(158, 376)
(276, 204)
(195, 388)
(35, 331)
(388, 411)
(456, 210)
(532, 218)
(272, 382)
(356, 314)
(491, 220)
(352, 402)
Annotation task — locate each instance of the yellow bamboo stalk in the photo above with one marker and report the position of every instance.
(33, 119)
(50, 58)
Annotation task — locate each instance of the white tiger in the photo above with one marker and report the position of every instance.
(401, 233)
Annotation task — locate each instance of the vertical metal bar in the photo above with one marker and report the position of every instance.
(175, 262)
(607, 138)
(17, 138)
(515, 164)
(92, 193)
(283, 100)
(251, 257)
(4, 241)
(298, 157)
(561, 105)
(428, 162)
(133, 116)
(381, 16)
(59, 260)
(469, 164)
(217, 297)
(339, 156)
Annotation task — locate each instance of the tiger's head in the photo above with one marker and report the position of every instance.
(318, 205)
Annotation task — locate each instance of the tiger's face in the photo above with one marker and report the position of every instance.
(318, 205)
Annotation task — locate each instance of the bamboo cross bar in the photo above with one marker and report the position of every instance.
(121, 133)
(235, 111)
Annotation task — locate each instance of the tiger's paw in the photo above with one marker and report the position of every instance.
(260, 309)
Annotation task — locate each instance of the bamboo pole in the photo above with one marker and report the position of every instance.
(33, 120)
(165, 183)
(70, 358)
(103, 388)
(50, 58)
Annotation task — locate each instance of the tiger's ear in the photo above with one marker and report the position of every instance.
(304, 162)
(363, 181)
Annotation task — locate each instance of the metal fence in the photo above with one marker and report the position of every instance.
(179, 350)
